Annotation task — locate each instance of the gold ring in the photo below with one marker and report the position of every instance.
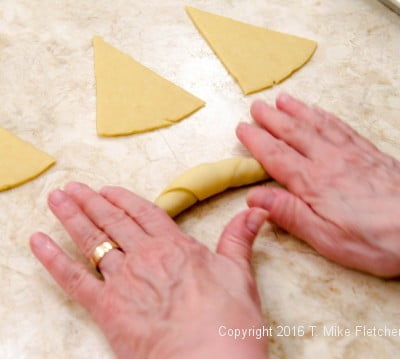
(101, 250)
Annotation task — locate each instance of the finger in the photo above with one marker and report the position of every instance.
(327, 125)
(152, 219)
(238, 236)
(291, 213)
(83, 231)
(296, 109)
(281, 161)
(298, 134)
(72, 276)
(111, 219)
(343, 136)
(333, 123)
(333, 130)
(323, 126)
(366, 146)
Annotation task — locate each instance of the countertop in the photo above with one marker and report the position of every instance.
(47, 92)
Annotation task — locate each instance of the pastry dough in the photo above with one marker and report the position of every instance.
(206, 180)
(256, 57)
(132, 98)
(20, 161)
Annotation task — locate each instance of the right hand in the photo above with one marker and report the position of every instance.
(343, 194)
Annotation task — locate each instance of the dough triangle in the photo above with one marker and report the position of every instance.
(256, 57)
(20, 161)
(132, 98)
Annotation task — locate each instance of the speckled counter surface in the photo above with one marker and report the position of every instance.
(47, 93)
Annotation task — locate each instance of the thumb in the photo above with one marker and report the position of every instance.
(239, 234)
(292, 214)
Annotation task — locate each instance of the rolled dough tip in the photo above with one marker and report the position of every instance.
(206, 180)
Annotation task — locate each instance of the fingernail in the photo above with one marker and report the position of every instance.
(40, 241)
(57, 197)
(241, 127)
(284, 97)
(73, 187)
(255, 219)
(243, 124)
(258, 102)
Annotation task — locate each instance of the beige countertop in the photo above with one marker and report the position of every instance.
(47, 93)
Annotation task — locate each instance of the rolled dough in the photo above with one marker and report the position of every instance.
(132, 98)
(206, 180)
(20, 161)
(256, 57)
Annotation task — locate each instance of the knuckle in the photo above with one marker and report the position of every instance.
(302, 180)
(70, 211)
(277, 149)
(333, 131)
(323, 124)
(75, 279)
(54, 261)
(112, 191)
(292, 127)
(344, 139)
(160, 247)
(91, 239)
(287, 210)
(355, 158)
(106, 189)
(393, 162)
(148, 210)
(161, 255)
(114, 218)
(149, 207)
(89, 200)
(237, 240)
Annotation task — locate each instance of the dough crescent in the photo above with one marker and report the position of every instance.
(206, 180)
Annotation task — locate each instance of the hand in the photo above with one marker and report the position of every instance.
(164, 295)
(343, 194)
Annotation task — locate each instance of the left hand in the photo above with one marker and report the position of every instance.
(164, 294)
